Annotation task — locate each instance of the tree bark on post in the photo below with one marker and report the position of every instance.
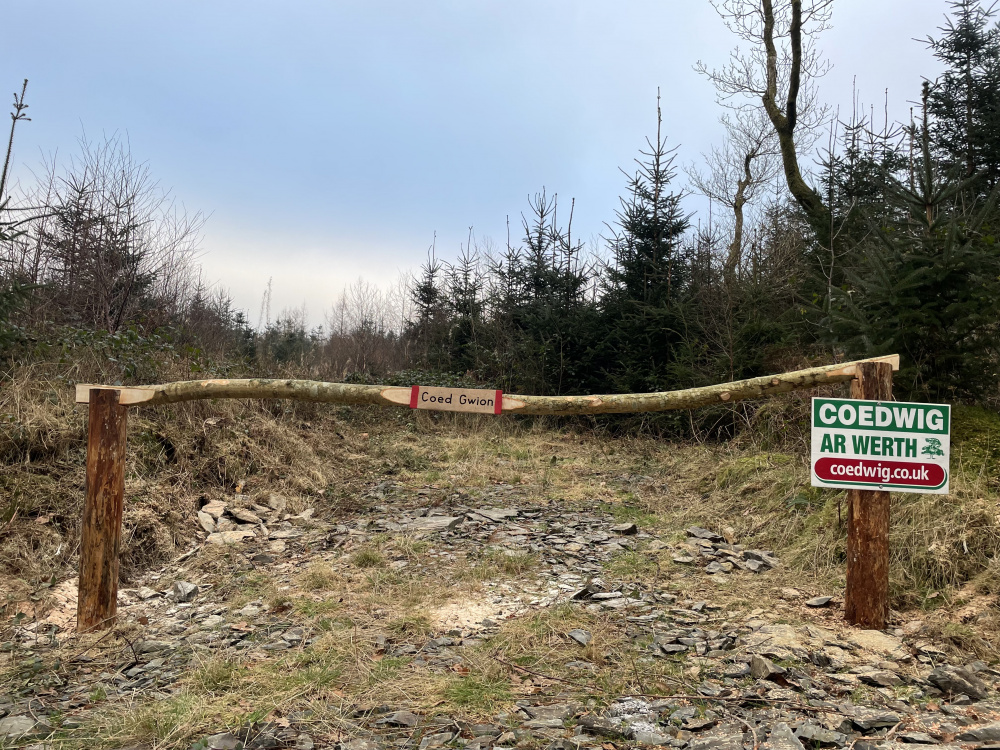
(866, 599)
(97, 604)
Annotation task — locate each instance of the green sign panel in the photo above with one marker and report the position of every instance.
(867, 445)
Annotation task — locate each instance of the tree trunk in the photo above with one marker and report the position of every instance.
(817, 213)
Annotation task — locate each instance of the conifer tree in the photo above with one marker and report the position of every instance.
(926, 286)
(965, 102)
(645, 283)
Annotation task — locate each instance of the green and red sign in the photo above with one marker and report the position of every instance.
(876, 445)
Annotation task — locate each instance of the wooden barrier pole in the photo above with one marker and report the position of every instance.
(101, 534)
(866, 599)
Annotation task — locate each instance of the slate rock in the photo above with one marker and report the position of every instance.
(543, 724)
(183, 591)
(645, 737)
(601, 727)
(699, 533)
(245, 516)
(558, 711)
(480, 730)
(222, 741)
(359, 743)
(724, 738)
(957, 680)
(782, 738)
(433, 523)
(436, 740)
(878, 642)
(399, 719)
(819, 601)
(817, 736)
(699, 725)
(603, 595)
(587, 592)
(18, 727)
(152, 646)
(277, 503)
(988, 733)
(881, 678)
(145, 593)
(764, 669)
(583, 637)
(215, 509)
(626, 529)
(865, 720)
(230, 537)
(497, 515)
(917, 738)
(672, 648)
(206, 521)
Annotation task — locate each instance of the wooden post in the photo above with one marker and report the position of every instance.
(866, 599)
(101, 534)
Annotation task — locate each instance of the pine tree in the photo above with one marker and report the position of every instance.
(428, 330)
(926, 286)
(553, 317)
(965, 101)
(645, 283)
(464, 292)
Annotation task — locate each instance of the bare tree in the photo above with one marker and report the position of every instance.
(739, 171)
(779, 66)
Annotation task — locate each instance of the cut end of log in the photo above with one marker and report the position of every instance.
(851, 368)
(397, 395)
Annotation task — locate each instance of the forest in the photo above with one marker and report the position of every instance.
(883, 241)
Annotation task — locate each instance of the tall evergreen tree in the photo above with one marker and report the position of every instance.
(965, 102)
(428, 330)
(554, 316)
(926, 286)
(646, 281)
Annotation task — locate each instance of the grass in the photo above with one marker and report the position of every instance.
(478, 696)
(367, 558)
(495, 563)
(412, 624)
(633, 565)
(320, 577)
(217, 675)
(627, 511)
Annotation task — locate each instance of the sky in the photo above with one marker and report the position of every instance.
(328, 141)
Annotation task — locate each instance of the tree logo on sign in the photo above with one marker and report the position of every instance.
(932, 448)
